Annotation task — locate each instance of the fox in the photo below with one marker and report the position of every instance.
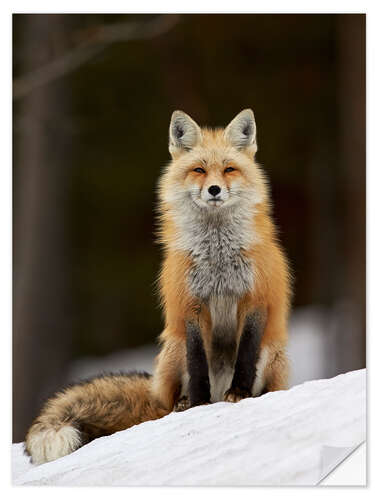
(225, 290)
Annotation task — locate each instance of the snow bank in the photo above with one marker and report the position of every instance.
(280, 438)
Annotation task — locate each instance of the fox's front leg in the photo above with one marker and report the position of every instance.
(170, 365)
(197, 367)
(248, 352)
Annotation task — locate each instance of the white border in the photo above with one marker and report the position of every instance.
(193, 6)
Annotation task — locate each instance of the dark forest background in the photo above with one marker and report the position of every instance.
(93, 95)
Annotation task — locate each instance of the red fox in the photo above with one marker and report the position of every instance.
(225, 290)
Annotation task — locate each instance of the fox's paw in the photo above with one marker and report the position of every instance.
(235, 394)
(50, 444)
(182, 404)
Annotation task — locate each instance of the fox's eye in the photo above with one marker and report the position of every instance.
(229, 169)
(200, 170)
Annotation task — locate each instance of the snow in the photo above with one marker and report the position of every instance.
(280, 438)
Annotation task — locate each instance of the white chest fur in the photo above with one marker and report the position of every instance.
(215, 243)
(219, 267)
(219, 276)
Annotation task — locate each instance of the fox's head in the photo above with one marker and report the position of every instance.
(213, 170)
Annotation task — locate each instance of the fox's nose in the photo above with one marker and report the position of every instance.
(214, 190)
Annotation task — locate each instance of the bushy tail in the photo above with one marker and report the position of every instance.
(88, 410)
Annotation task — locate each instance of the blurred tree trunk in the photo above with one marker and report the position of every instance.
(41, 308)
(352, 142)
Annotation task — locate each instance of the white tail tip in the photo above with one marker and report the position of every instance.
(45, 446)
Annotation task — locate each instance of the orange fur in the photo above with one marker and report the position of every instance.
(271, 291)
(105, 405)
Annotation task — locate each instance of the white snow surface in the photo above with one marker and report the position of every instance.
(277, 439)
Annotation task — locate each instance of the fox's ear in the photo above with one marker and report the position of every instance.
(184, 133)
(241, 132)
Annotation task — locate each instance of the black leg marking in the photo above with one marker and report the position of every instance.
(199, 383)
(248, 352)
